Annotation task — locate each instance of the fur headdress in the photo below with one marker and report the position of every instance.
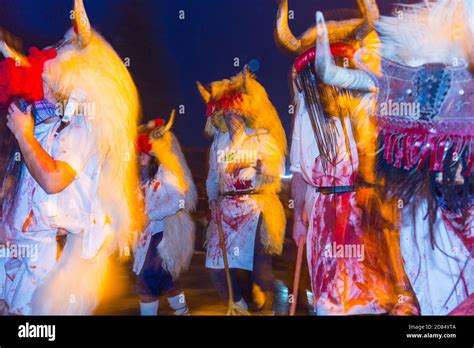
(440, 31)
(177, 247)
(243, 95)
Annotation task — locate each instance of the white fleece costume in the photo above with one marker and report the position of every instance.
(163, 197)
(37, 216)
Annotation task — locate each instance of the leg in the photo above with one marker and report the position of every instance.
(262, 276)
(147, 285)
(220, 284)
(173, 292)
(24, 275)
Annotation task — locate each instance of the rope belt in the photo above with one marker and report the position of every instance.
(337, 190)
(240, 193)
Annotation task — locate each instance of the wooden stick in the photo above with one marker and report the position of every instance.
(296, 282)
(233, 308)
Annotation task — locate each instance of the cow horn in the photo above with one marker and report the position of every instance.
(170, 121)
(283, 34)
(82, 24)
(329, 72)
(371, 14)
(206, 96)
(9, 52)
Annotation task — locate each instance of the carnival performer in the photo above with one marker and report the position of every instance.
(79, 179)
(246, 162)
(348, 240)
(420, 80)
(165, 248)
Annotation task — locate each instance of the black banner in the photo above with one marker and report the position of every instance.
(291, 331)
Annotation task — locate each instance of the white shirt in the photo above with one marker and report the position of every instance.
(163, 197)
(76, 209)
(304, 149)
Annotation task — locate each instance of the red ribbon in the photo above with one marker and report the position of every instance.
(225, 103)
(24, 81)
(337, 49)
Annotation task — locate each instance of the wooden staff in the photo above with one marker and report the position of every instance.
(296, 282)
(233, 309)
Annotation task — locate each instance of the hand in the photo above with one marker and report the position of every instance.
(20, 124)
(300, 230)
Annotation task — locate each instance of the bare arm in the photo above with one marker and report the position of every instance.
(298, 192)
(53, 176)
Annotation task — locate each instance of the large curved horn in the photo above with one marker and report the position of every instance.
(9, 52)
(337, 31)
(332, 74)
(170, 121)
(371, 14)
(206, 96)
(83, 26)
(283, 34)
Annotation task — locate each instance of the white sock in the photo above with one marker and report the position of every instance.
(242, 304)
(149, 309)
(178, 303)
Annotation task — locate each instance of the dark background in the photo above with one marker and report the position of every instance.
(168, 54)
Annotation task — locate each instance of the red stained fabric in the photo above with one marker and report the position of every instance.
(347, 283)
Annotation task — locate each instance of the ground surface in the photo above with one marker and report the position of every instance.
(201, 297)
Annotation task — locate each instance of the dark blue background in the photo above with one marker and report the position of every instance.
(168, 54)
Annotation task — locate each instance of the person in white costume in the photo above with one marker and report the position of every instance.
(337, 213)
(165, 248)
(246, 161)
(426, 155)
(71, 162)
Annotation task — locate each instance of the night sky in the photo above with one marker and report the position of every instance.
(168, 54)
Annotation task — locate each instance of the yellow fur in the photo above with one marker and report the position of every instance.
(99, 73)
(177, 247)
(259, 113)
(256, 107)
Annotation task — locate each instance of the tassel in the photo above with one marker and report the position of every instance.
(470, 159)
(409, 141)
(399, 151)
(426, 149)
(437, 155)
